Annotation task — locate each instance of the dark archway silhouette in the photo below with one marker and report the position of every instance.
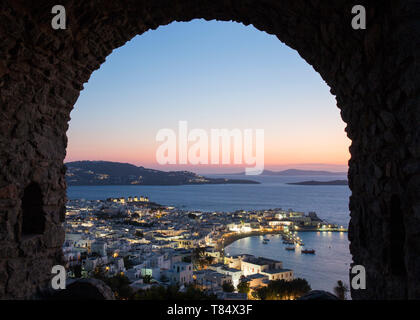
(33, 216)
(373, 73)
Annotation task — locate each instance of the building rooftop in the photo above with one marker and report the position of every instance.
(231, 269)
(255, 276)
(182, 263)
(274, 271)
(216, 265)
(236, 256)
(260, 260)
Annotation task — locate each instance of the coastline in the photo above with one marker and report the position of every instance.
(322, 270)
(221, 244)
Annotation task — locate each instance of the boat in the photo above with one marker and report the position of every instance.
(290, 248)
(308, 251)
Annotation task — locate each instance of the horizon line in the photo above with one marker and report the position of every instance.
(239, 169)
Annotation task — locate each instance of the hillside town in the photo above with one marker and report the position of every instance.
(154, 245)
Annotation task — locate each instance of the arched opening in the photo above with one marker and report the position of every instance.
(372, 72)
(33, 216)
(116, 119)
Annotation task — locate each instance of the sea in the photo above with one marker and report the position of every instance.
(322, 270)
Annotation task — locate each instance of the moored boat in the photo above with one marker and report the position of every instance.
(308, 251)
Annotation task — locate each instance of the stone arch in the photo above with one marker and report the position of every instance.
(373, 73)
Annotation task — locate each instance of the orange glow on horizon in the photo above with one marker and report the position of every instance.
(145, 155)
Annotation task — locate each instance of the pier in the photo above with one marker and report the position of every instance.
(231, 237)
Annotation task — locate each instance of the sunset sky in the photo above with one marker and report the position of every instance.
(213, 75)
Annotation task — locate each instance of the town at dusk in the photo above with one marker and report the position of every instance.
(209, 159)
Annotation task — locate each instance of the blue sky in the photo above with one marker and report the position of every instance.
(213, 75)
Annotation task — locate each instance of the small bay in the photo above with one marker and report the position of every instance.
(332, 259)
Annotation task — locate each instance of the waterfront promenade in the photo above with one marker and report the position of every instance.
(231, 237)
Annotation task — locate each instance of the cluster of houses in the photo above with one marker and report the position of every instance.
(123, 200)
(278, 218)
(171, 266)
(123, 237)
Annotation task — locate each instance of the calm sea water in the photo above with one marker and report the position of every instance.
(322, 270)
(330, 202)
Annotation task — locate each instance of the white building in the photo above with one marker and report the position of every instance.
(273, 269)
(252, 265)
(211, 279)
(180, 273)
(239, 227)
(99, 247)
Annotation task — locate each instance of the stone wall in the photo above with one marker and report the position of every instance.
(373, 73)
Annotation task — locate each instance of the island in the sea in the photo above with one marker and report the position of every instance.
(94, 173)
(321, 183)
(297, 172)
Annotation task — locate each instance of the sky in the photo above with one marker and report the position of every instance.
(214, 75)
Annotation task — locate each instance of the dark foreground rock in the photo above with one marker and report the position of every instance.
(83, 289)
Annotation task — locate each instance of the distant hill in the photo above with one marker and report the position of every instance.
(322, 183)
(298, 172)
(115, 173)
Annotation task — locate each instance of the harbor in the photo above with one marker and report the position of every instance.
(221, 230)
(287, 224)
(330, 263)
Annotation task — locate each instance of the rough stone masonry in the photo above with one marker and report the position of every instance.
(374, 74)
